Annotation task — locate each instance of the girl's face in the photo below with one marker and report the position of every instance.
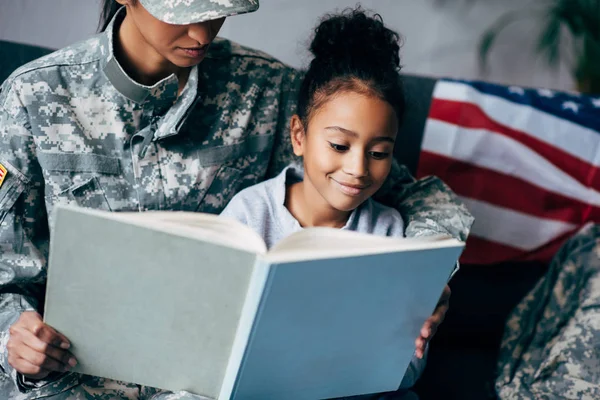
(347, 149)
(181, 45)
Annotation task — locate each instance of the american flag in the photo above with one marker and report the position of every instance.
(524, 161)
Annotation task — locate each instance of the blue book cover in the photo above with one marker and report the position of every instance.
(341, 325)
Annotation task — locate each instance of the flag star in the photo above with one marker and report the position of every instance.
(545, 92)
(571, 105)
(596, 102)
(517, 90)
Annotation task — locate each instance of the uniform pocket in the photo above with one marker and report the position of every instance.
(88, 193)
(241, 165)
(216, 173)
(222, 154)
(77, 179)
(223, 187)
(80, 162)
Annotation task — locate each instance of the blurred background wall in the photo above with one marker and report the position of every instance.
(440, 36)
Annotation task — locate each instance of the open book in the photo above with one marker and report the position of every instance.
(195, 302)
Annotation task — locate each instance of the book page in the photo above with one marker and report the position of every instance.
(201, 226)
(317, 243)
(146, 305)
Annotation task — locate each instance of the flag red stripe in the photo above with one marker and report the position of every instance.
(479, 251)
(471, 116)
(483, 251)
(484, 184)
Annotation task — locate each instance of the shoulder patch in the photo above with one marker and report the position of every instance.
(3, 173)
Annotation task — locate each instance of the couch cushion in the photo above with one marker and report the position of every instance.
(417, 91)
(462, 374)
(482, 297)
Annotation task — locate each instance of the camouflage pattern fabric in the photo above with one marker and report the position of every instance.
(75, 129)
(94, 388)
(185, 12)
(550, 347)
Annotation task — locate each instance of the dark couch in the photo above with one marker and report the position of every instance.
(463, 353)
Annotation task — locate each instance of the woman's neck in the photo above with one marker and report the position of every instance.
(309, 208)
(139, 60)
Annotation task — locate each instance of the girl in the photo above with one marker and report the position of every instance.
(155, 112)
(349, 107)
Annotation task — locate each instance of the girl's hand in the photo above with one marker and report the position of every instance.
(36, 349)
(431, 325)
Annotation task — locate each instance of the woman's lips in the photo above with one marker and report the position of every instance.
(194, 52)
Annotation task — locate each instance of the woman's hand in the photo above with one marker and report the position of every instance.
(36, 349)
(431, 325)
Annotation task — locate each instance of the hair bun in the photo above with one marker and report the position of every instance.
(354, 37)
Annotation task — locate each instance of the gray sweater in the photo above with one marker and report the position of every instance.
(262, 208)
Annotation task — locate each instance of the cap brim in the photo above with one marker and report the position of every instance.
(197, 11)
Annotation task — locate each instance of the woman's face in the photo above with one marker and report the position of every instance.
(348, 149)
(181, 45)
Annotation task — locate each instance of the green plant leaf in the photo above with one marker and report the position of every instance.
(581, 18)
(548, 44)
(491, 34)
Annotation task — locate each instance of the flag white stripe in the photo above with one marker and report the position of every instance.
(505, 155)
(513, 228)
(574, 139)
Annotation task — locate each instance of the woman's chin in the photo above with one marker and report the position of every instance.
(186, 62)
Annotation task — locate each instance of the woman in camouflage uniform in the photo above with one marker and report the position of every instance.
(142, 117)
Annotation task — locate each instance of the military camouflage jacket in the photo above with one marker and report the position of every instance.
(75, 129)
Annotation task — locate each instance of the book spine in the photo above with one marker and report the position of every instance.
(254, 295)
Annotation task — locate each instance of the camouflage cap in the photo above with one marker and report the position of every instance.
(184, 12)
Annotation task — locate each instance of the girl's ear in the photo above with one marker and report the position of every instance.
(298, 135)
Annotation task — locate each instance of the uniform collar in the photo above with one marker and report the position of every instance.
(171, 111)
(164, 91)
